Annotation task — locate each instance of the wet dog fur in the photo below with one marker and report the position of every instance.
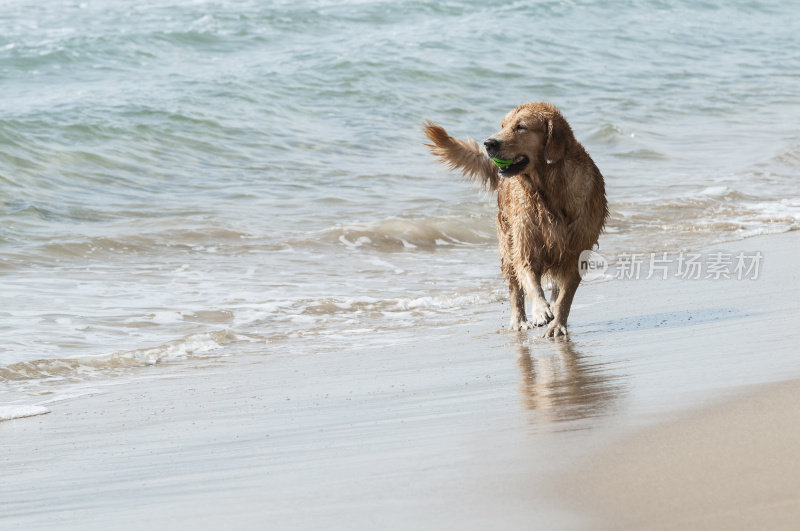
(551, 205)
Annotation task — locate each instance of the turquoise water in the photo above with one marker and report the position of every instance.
(178, 178)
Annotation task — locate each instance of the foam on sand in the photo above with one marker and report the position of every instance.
(21, 411)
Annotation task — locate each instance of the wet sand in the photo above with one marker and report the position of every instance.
(732, 465)
(457, 426)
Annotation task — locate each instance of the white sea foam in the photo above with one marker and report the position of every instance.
(715, 191)
(784, 210)
(21, 411)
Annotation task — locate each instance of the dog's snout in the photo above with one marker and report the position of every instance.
(491, 145)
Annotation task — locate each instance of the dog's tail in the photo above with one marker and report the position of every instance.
(464, 155)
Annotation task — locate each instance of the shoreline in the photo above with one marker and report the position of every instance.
(459, 425)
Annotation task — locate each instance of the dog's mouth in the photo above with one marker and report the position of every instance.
(517, 165)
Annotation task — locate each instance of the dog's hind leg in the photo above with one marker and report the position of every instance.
(554, 293)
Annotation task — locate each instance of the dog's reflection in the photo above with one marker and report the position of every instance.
(561, 385)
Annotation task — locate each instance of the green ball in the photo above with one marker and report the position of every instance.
(502, 163)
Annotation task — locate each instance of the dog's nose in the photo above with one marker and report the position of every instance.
(491, 145)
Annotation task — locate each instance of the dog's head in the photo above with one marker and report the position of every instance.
(531, 135)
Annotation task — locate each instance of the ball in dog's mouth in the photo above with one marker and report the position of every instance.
(511, 167)
(502, 163)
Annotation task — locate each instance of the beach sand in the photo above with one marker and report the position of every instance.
(732, 465)
(668, 408)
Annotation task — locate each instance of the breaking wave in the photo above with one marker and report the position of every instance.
(197, 345)
(398, 234)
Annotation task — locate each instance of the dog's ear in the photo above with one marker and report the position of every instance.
(558, 133)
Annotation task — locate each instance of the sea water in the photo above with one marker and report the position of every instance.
(193, 178)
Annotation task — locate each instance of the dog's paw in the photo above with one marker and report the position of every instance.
(541, 314)
(520, 324)
(555, 329)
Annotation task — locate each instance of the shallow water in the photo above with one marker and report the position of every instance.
(178, 178)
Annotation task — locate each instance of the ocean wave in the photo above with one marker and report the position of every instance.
(608, 133)
(641, 154)
(402, 234)
(788, 158)
(784, 211)
(712, 214)
(205, 240)
(621, 142)
(371, 305)
(267, 323)
(196, 345)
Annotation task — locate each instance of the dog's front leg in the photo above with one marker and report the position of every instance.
(526, 270)
(516, 297)
(531, 280)
(558, 327)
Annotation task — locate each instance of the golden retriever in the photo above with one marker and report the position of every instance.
(551, 203)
